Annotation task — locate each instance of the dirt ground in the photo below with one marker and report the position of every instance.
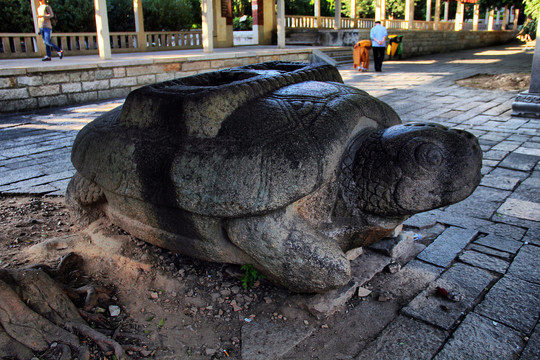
(171, 306)
(505, 82)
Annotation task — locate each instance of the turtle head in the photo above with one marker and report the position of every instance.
(410, 168)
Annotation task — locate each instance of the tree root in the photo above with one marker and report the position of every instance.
(35, 312)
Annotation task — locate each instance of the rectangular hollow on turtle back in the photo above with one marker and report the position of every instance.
(227, 76)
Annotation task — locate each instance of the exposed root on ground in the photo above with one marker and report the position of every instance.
(37, 313)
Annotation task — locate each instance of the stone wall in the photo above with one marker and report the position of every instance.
(30, 88)
(417, 43)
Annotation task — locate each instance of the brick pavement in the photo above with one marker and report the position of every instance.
(487, 248)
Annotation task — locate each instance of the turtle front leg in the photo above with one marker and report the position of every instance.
(85, 197)
(290, 252)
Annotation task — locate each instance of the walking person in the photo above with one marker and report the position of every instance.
(378, 35)
(45, 13)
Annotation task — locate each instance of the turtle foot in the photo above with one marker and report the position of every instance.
(85, 198)
(290, 252)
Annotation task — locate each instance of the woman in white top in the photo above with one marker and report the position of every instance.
(45, 14)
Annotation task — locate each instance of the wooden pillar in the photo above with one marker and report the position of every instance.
(337, 14)
(476, 16)
(505, 18)
(409, 13)
(317, 13)
(264, 21)
(353, 13)
(458, 25)
(102, 28)
(446, 6)
(207, 10)
(490, 20)
(139, 24)
(516, 16)
(437, 14)
(428, 10)
(281, 24)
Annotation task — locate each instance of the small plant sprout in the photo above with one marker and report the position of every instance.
(251, 275)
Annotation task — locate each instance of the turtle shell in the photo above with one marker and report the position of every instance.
(283, 137)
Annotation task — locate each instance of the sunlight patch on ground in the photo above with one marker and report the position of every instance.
(474, 61)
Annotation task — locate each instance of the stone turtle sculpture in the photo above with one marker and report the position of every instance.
(278, 165)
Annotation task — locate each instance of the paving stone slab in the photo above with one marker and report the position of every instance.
(482, 203)
(500, 243)
(532, 349)
(528, 190)
(12, 176)
(503, 230)
(521, 209)
(532, 236)
(367, 265)
(489, 251)
(484, 261)
(410, 280)
(405, 339)
(266, 340)
(501, 180)
(519, 161)
(442, 312)
(513, 302)
(446, 246)
(480, 338)
(525, 264)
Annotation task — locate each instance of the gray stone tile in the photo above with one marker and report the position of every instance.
(500, 243)
(532, 236)
(503, 178)
(410, 280)
(513, 302)
(483, 202)
(528, 190)
(495, 155)
(524, 264)
(13, 176)
(519, 161)
(404, 339)
(444, 313)
(444, 249)
(532, 350)
(521, 209)
(480, 338)
(489, 251)
(484, 261)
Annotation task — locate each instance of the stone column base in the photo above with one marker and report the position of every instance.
(527, 105)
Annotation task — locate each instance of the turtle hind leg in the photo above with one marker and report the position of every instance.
(86, 198)
(290, 252)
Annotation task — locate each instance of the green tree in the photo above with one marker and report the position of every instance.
(169, 15)
(16, 16)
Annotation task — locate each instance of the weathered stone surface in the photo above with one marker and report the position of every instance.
(266, 340)
(401, 246)
(411, 279)
(532, 350)
(484, 261)
(521, 209)
(532, 236)
(513, 302)
(405, 338)
(440, 311)
(324, 305)
(481, 338)
(503, 179)
(445, 248)
(489, 251)
(500, 243)
(520, 162)
(521, 266)
(276, 165)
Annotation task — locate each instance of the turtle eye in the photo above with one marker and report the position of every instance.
(429, 155)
